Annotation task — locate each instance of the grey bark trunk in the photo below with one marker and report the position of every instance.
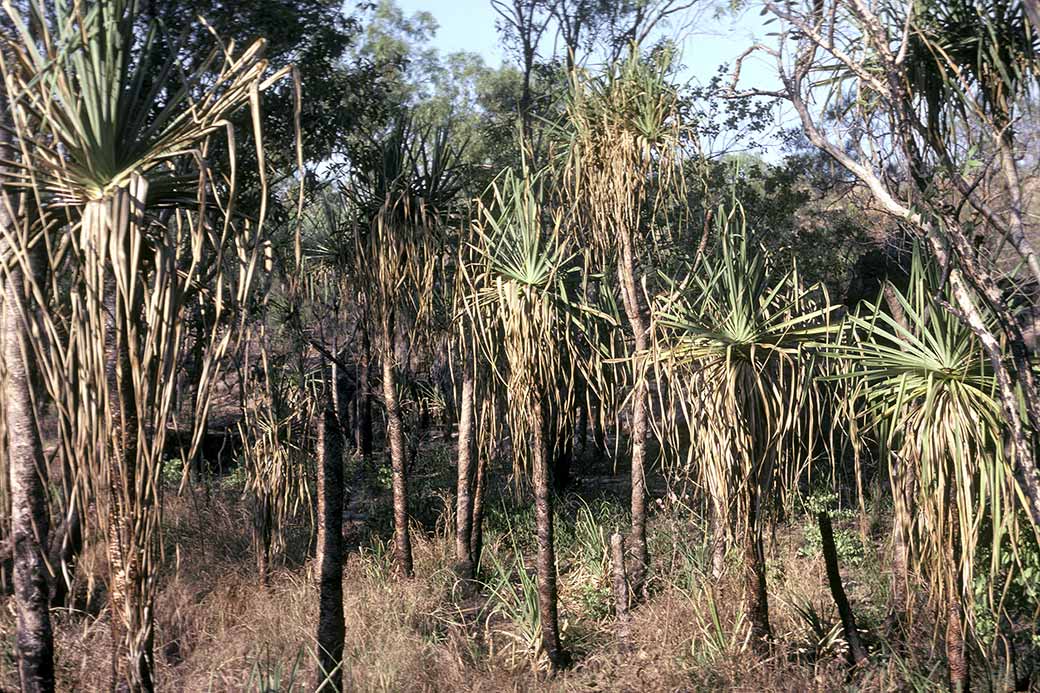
(465, 481)
(633, 309)
(34, 642)
(901, 481)
(476, 536)
(619, 585)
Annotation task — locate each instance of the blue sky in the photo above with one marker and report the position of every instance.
(469, 25)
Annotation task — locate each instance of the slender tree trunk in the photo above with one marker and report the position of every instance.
(857, 651)
(395, 443)
(331, 628)
(1008, 164)
(630, 293)
(34, 642)
(262, 535)
(465, 480)
(619, 585)
(755, 592)
(546, 561)
(363, 418)
(476, 535)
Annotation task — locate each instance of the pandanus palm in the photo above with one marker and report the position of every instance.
(520, 277)
(930, 394)
(112, 131)
(403, 194)
(732, 341)
(619, 155)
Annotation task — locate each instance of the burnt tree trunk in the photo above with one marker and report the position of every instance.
(755, 593)
(546, 561)
(331, 627)
(563, 457)
(599, 434)
(857, 651)
(396, 445)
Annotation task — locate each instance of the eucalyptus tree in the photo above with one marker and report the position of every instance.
(928, 87)
(112, 130)
(522, 277)
(403, 194)
(523, 23)
(933, 399)
(733, 342)
(621, 151)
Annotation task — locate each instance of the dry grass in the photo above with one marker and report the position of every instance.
(219, 630)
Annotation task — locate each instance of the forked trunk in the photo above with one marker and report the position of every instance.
(465, 481)
(396, 445)
(34, 644)
(546, 562)
(331, 628)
